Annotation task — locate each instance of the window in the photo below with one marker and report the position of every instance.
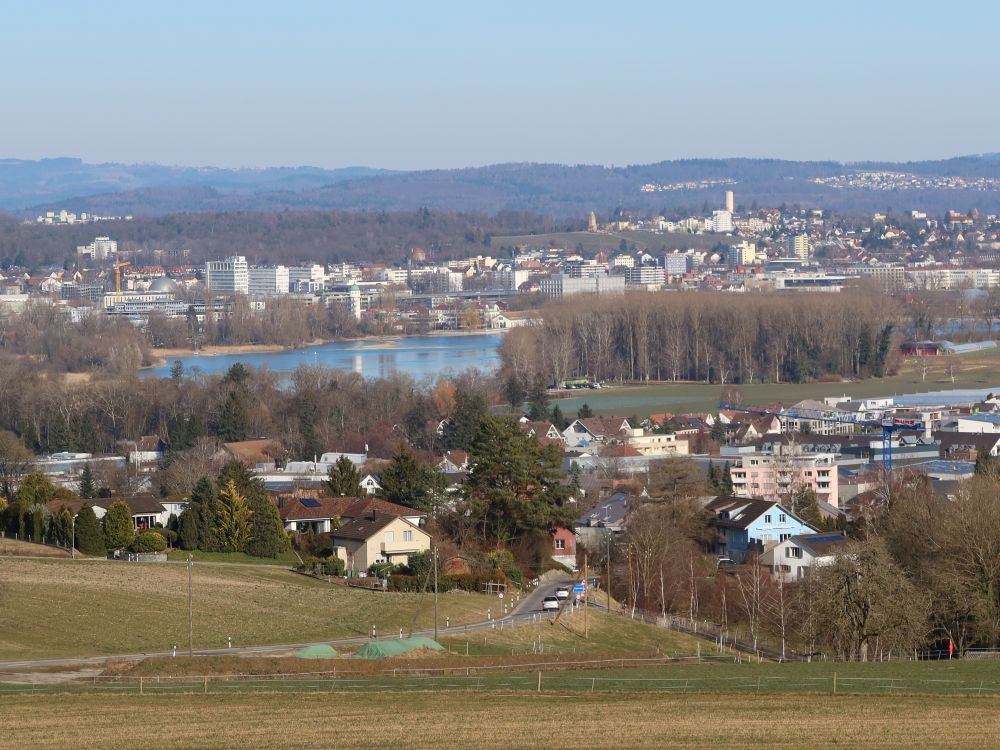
(767, 518)
(793, 552)
(781, 518)
(560, 544)
(407, 536)
(388, 537)
(783, 537)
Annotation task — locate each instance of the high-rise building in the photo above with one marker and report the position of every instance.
(229, 276)
(592, 222)
(798, 246)
(307, 279)
(675, 264)
(722, 222)
(101, 248)
(354, 301)
(730, 201)
(267, 281)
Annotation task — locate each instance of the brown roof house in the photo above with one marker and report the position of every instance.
(378, 538)
(304, 510)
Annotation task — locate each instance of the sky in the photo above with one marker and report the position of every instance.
(408, 85)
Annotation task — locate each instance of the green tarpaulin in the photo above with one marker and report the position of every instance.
(317, 652)
(396, 647)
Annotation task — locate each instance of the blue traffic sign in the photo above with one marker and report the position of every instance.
(578, 589)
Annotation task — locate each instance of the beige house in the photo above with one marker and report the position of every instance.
(378, 538)
(654, 443)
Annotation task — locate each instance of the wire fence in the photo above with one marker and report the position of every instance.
(603, 675)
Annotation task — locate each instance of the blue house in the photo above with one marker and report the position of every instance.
(745, 525)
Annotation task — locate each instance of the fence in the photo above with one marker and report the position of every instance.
(617, 675)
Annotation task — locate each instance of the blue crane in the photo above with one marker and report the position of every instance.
(888, 425)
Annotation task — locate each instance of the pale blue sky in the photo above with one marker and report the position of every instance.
(446, 84)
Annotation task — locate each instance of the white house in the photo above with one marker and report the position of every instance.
(793, 557)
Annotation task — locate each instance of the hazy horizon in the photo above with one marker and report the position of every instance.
(445, 85)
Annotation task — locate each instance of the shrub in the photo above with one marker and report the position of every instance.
(89, 539)
(118, 529)
(333, 566)
(149, 541)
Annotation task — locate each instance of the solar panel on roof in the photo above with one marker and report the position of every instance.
(310, 503)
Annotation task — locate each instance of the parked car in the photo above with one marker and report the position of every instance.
(562, 593)
(550, 603)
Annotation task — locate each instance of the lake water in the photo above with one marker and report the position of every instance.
(417, 356)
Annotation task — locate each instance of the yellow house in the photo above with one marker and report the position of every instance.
(377, 538)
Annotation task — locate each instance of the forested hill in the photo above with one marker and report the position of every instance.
(572, 191)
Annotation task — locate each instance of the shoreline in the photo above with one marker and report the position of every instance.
(163, 357)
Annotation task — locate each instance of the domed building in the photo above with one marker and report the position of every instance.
(163, 285)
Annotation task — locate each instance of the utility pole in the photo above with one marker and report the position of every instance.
(609, 571)
(586, 625)
(435, 592)
(190, 609)
(72, 537)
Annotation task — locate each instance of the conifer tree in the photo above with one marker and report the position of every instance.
(88, 488)
(119, 531)
(89, 539)
(233, 523)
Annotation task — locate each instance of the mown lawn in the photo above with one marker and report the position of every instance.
(60, 608)
(286, 559)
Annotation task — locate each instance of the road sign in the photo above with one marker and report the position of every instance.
(578, 589)
(500, 595)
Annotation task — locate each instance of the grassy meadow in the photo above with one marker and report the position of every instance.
(498, 720)
(979, 370)
(64, 608)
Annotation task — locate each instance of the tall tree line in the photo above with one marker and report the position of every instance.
(708, 337)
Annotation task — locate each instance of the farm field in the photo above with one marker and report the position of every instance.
(499, 720)
(64, 608)
(980, 370)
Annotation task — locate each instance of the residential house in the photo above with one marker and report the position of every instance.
(584, 432)
(518, 319)
(563, 546)
(453, 461)
(793, 557)
(595, 527)
(145, 451)
(303, 510)
(378, 538)
(545, 432)
(744, 526)
(371, 483)
(147, 511)
(655, 444)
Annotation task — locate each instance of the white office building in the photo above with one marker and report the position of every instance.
(229, 276)
(798, 246)
(648, 276)
(268, 281)
(561, 285)
(101, 248)
(306, 279)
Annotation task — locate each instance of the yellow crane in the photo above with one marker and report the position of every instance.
(119, 265)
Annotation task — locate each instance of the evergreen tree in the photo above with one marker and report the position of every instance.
(267, 534)
(408, 482)
(88, 488)
(557, 418)
(713, 476)
(233, 523)
(538, 400)
(718, 432)
(205, 506)
(344, 479)
(726, 479)
(585, 412)
(187, 532)
(89, 539)
(234, 418)
(118, 527)
(514, 487)
(470, 408)
(513, 391)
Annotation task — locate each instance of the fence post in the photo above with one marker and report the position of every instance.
(539, 689)
(140, 686)
(834, 683)
(206, 685)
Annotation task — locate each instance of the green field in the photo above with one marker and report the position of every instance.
(62, 608)
(607, 634)
(977, 371)
(501, 720)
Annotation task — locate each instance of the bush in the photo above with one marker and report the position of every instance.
(333, 566)
(149, 541)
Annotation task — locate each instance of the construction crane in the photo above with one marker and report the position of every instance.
(119, 265)
(888, 425)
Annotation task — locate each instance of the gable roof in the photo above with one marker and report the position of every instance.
(361, 529)
(611, 512)
(821, 545)
(302, 507)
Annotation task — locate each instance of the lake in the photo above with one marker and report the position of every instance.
(417, 356)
